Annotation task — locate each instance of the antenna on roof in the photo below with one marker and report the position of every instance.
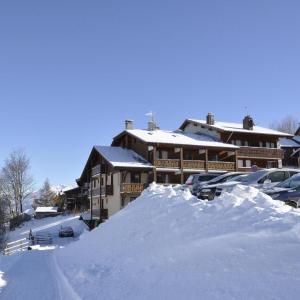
(151, 123)
(150, 114)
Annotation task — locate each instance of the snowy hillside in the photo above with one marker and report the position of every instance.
(169, 245)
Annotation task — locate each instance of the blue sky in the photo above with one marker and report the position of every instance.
(72, 71)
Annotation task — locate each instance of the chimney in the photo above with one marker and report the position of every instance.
(128, 124)
(152, 126)
(210, 119)
(248, 123)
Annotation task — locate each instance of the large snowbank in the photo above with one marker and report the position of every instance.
(169, 245)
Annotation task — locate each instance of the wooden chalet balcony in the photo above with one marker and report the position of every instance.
(132, 188)
(96, 170)
(167, 163)
(194, 164)
(221, 165)
(108, 190)
(96, 192)
(259, 152)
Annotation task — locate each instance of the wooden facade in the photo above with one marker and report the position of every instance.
(179, 161)
(112, 187)
(257, 147)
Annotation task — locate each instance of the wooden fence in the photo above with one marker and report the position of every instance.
(19, 245)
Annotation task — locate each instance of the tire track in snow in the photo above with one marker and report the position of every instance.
(65, 291)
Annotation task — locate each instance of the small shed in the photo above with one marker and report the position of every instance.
(46, 211)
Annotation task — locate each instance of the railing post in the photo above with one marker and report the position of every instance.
(206, 160)
(181, 166)
(154, 169)
(236, 160)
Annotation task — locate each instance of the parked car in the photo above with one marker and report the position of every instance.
(262, 179)
(200, 178)
(208, 191)
(287, 191)
(66, 231)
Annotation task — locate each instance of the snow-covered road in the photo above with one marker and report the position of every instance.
(35, 275)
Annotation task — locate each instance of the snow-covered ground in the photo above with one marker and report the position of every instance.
(34, 274)
(51, 226)
(169, 245)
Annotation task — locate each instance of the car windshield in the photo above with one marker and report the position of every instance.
(190, 179)
(222, 178)
(238, 178)
(292, 182)
(253, 176)
(200, 178)
(206, 177)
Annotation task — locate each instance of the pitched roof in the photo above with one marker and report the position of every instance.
(120, 157)
(177, 138)
(288, 143)
(237, 127)
(297, 138)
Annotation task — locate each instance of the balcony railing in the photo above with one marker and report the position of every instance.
(96, 170)
(221, 165)
(259, 152)
(167, 163)
(132, 188)
(194, 164)
(96, 192)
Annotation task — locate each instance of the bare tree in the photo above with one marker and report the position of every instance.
(289, 124)
(17, 179)
(3, 216)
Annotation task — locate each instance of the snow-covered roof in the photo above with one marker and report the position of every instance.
(288, 143)
(120, 157)
(297, 138)
(177, 138)
(238, 127)
(46, 209)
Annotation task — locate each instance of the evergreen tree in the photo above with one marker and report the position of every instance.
(46, 197)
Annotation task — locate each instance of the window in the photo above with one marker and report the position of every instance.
(188, 156)
(161, 154)
(261, 144)
(268, 144)
(135, 177)
(248, 163)
(277, 176)
(238, 143)
(246, 143)
(240, 163)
